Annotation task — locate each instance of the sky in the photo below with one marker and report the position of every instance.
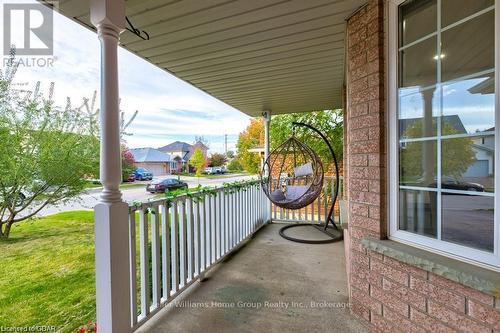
(169, 108)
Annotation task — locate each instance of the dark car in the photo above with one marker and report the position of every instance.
(130, 178)
(163, 185)
(449, 183)
(142, 174)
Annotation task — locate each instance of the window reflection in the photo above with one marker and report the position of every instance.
(468, 48)
(418, 212)
(451, 13)
(417, 19)
(469, 105)
(417, 64)
(418, 114)
(467, 164)
(418, 163)
(468, 220)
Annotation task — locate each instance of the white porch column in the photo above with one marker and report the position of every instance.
(111, 214)
(267, 145)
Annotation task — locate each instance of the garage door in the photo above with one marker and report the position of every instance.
(156, 169)
(478, 169)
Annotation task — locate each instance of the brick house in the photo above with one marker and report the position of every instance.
(438, 271)
(182, 152)
(421, 235)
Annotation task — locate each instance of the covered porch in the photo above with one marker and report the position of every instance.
(269, 284)
(264, 58)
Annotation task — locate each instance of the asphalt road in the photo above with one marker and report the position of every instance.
(91, 197)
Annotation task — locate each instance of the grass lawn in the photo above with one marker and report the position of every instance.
(47, 272)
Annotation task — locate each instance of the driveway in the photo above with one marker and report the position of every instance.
(91, 197)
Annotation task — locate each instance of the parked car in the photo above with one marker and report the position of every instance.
(143, 174)
(130, 178)
(449, 183)
(219, 169)
(165, 185)
(209, 170)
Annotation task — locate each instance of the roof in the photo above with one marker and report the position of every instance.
(176, 146)
(150, 155)
(453, 120)
(283, 56)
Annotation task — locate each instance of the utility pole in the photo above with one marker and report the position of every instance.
(225, 144)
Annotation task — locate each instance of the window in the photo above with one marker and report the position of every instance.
(443, 106)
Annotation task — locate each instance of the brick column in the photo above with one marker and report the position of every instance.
(365, 146)
(387, 294)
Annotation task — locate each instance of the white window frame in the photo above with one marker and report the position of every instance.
(481, 258)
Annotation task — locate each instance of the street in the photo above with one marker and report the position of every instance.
(91, 197)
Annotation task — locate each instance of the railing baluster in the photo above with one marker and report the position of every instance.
(198, 238)
(155, 255)
(174, 235)
(182, 245)
(144, 244)
(165, 250)
(190, 240)
(133, 268)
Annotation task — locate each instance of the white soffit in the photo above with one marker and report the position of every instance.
(255, 55)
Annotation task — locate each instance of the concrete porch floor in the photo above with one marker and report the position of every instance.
(268, 285)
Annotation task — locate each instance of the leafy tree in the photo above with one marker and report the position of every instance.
(45, 152)
(252, 136)
(230, 154)
(457, 154)
(234, 165)
(329, 122)
(198, 161)
(217, 160)
(127, 162)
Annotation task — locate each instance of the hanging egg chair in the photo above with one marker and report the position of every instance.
(292, 178)
(295, 177)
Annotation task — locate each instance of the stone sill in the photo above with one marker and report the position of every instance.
(475, 277)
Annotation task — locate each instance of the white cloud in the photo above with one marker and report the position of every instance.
(169, 108)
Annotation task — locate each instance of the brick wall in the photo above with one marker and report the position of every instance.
(388, 295)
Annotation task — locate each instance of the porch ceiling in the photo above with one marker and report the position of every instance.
(282, 55)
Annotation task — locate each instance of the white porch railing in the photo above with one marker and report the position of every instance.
(173, 242)
(316, 212)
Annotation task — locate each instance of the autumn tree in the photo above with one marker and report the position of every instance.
(418, 159)
(127, 162)
(328, 122)
(217, 159)
(252, 136)
(198, 161)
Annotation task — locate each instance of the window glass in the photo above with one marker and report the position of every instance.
(417, 64)
(418, 163)
(418, 212)
(467, 163)
(451, 12)
(468, 220)
(446, 123)
(418, 114)
(417, 19)
(469, 106)
(468, 48)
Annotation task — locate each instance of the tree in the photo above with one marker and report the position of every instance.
(418, 159)
(127, 162)
(230, 154)
(329, 122)
(234, 165)
(252, 136)
(198, 161)
(46, 152)
(217, 160)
